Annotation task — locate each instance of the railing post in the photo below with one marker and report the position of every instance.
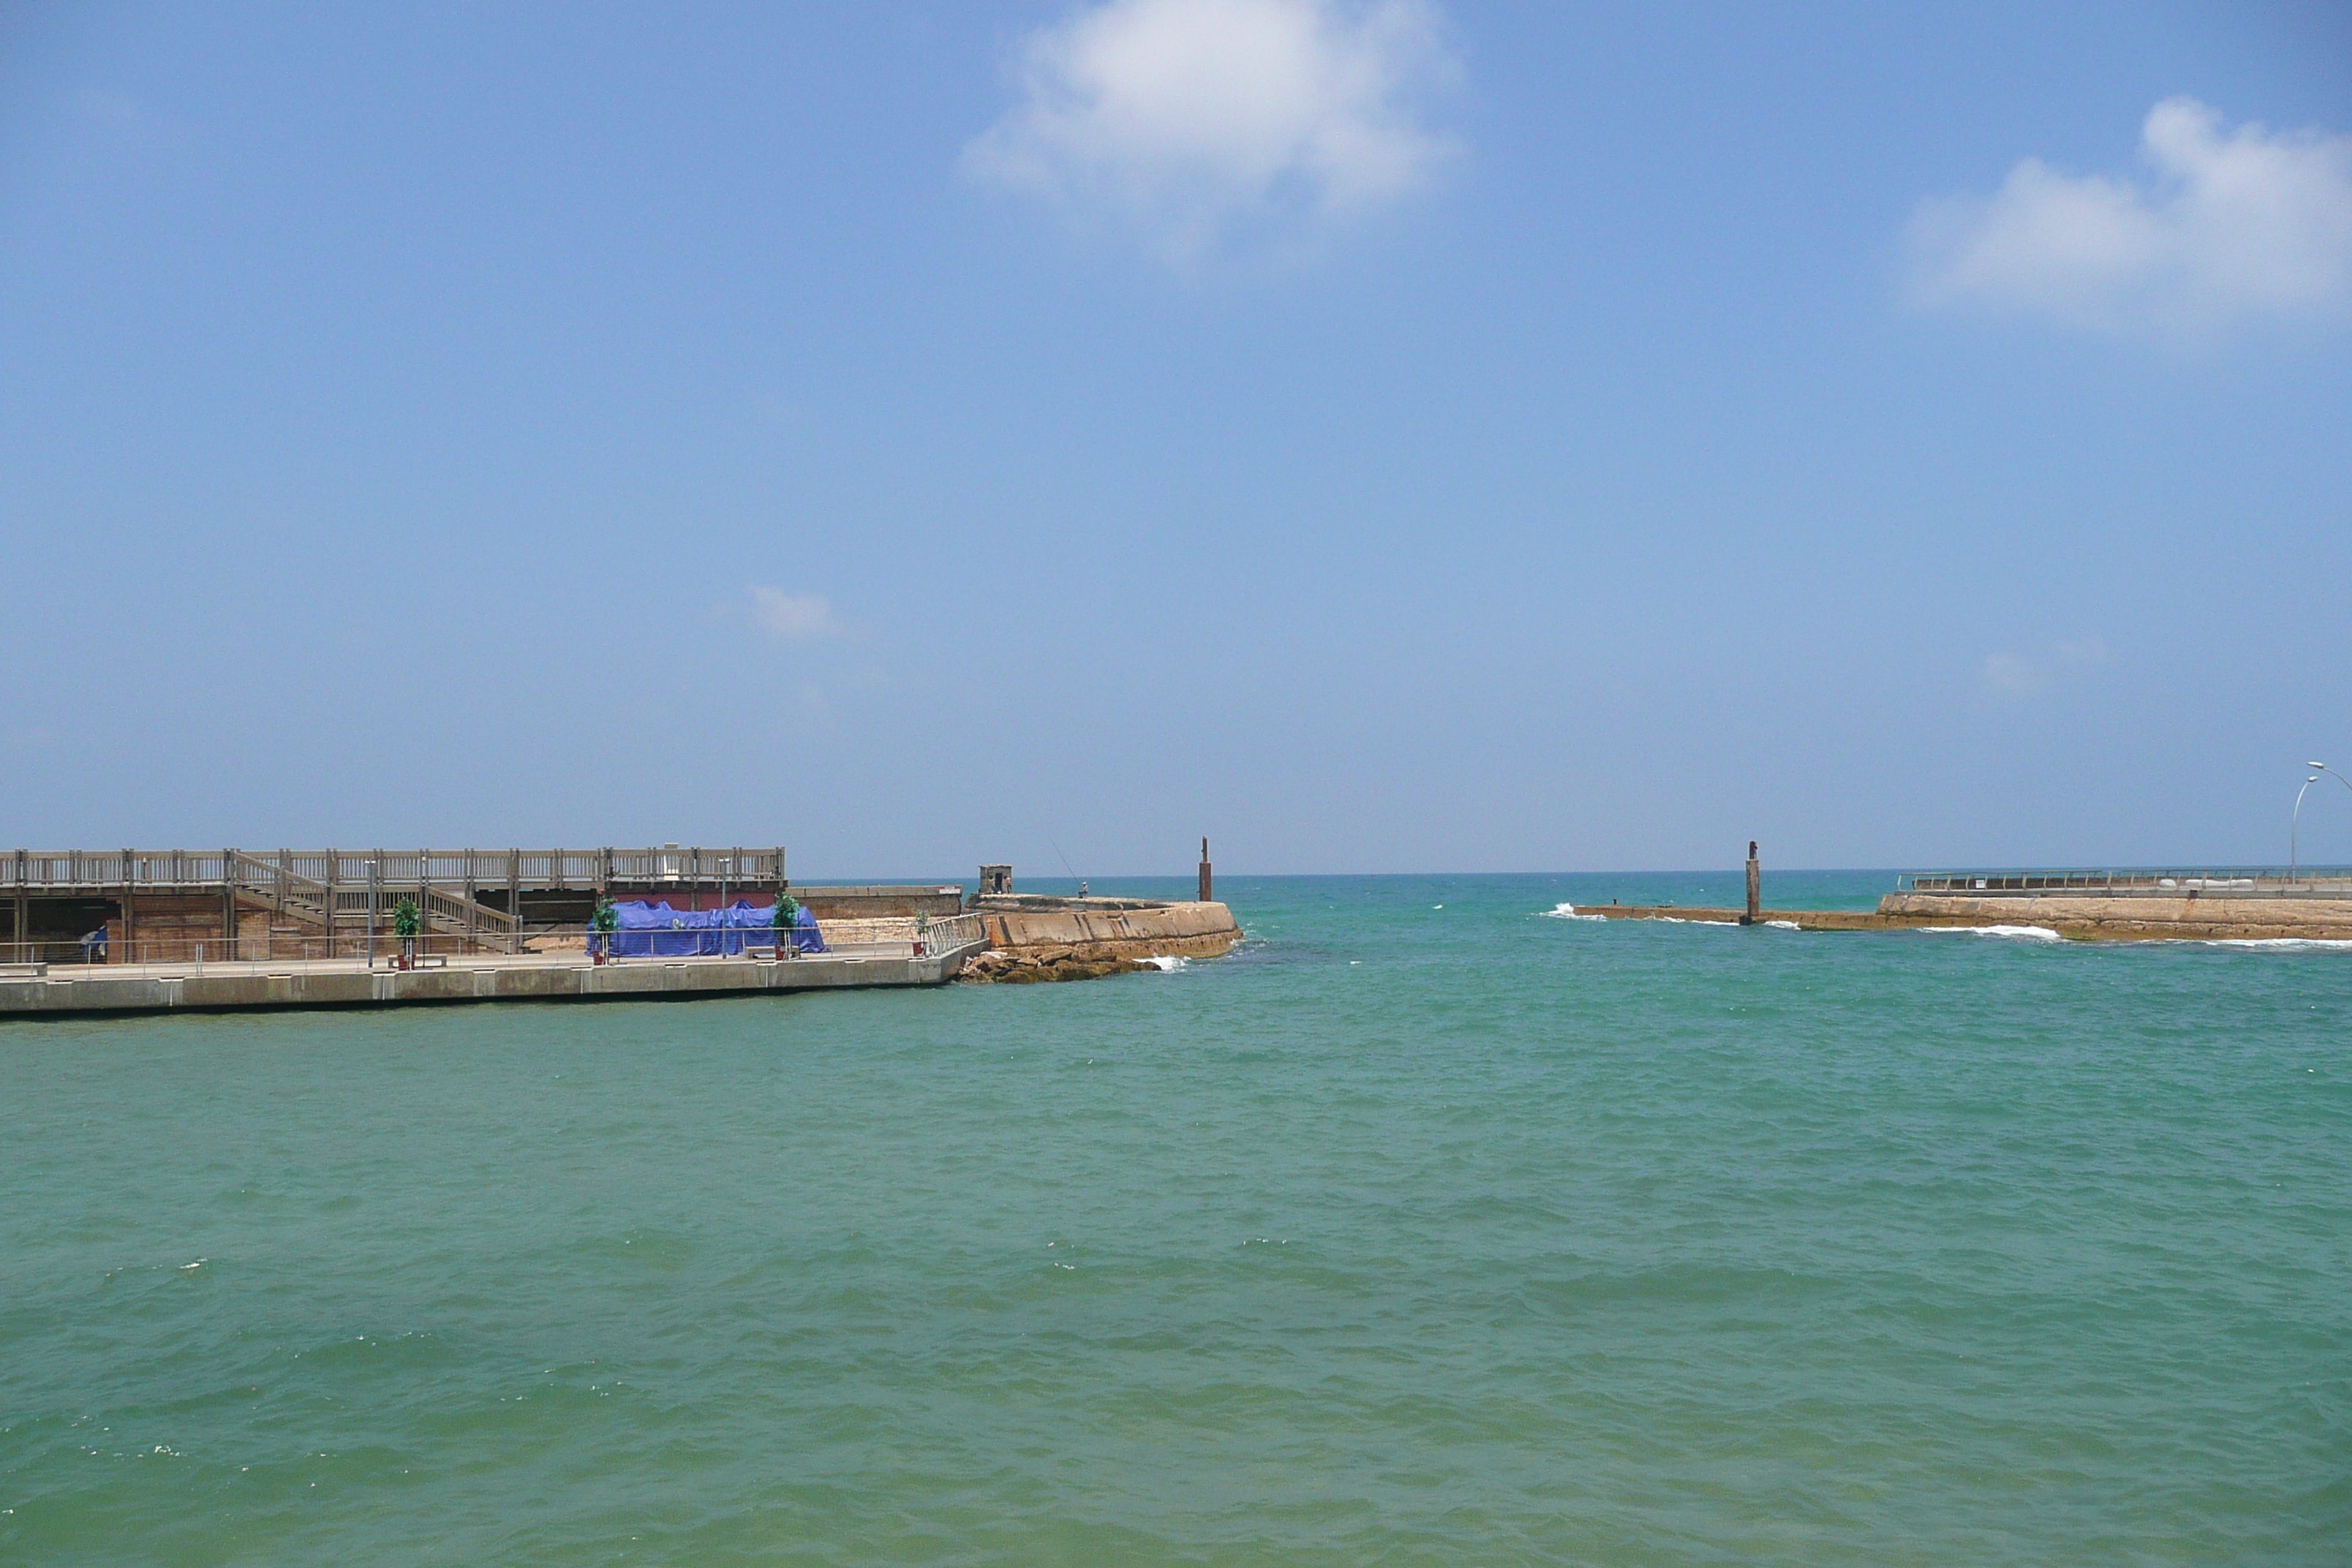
(228, 899)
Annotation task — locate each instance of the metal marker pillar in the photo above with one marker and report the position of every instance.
(1755, 887)
(1208, 885)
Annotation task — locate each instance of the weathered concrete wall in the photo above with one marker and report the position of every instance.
(172, 925)
(936, 900)
(1134, 932)
(1085, 941)
(2096, 918)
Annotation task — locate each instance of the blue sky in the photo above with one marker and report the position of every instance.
(1394, 437)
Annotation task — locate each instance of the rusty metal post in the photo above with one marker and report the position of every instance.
(1755, 887)
(1207, 884)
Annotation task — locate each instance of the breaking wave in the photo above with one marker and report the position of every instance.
(1568, 912)
(2023, 933)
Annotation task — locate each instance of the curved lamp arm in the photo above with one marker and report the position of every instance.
(2294, 821)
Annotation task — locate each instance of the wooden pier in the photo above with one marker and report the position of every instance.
(155, 903)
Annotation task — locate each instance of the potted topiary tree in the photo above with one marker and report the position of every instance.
(788, 911)
(406, 923)
(922, 933)
(600, 927)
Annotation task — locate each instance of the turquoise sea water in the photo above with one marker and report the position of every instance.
(1408, 1234)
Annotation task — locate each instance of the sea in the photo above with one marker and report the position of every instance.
(1436, 1224)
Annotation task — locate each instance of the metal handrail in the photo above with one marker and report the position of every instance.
(2240, 883)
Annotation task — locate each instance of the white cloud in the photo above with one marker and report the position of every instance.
(2231, 225)
(1193, 119)
(793, 616)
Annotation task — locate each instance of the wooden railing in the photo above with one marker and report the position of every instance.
(534, 870)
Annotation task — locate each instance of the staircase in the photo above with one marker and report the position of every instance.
(334, 910)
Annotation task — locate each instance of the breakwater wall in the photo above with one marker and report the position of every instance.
(1082, 939)
(1803, 920)
(2139, 917)
(2077, 918)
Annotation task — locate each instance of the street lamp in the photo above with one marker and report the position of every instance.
(725, 862)
(2294, 822)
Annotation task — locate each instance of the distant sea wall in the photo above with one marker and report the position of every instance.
(2092, 919)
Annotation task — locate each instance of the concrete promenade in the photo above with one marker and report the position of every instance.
(550, 977)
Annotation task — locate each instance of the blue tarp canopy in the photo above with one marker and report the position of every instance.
(656, 930)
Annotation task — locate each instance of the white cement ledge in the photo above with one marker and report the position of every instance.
(163, 988)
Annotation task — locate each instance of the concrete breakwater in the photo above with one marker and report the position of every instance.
(1803, 920)
(2134, 919)
(1032, 939)
(2076, 918)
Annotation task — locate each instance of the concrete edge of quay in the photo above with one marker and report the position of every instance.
(294, 985)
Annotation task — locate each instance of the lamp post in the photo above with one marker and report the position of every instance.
(725, 862)
(2294, 822)
(374, 890)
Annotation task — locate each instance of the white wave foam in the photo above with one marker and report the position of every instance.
(1568, 912)
(2023, 933)
(1784, 925)
(1165, 965)
(2285, 944)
